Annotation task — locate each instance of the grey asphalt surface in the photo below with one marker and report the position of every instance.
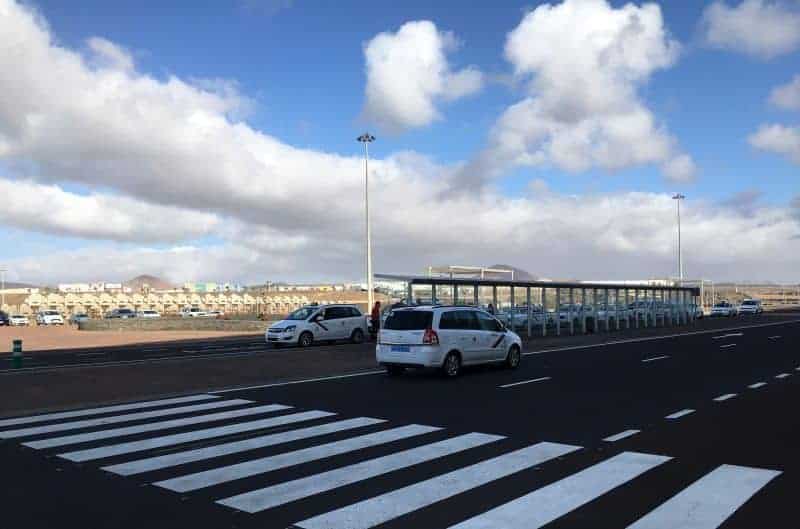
(730, 462)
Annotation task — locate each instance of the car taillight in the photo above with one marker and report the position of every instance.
(430, 337)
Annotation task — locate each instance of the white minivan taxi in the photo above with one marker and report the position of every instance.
(319, 323)
(446, 338)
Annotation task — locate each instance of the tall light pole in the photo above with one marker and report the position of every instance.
(366, 139)
(2, 288)
(678, 197)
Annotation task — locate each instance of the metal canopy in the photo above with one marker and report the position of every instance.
(425, 280)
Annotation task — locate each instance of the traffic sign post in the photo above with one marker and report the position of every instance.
(16, 354)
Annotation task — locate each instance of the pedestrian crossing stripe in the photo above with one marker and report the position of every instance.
(254, 467)
(704, 504)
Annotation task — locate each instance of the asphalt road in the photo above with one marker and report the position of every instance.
(691, 431)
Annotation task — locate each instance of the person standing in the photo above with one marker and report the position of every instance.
(375, 316)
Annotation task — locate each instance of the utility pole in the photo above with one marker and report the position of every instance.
(678, 197)
(366, 139)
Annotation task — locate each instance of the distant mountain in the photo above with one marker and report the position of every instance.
(519, 274)
(153, 282)
(11, 284)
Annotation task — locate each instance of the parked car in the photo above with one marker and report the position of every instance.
(75, 319)
(49, 317)
(18, 320)
(446, 338)
(4, 320)
(315, 323)
(123, 314)
(215, 314)
(697, 310)
(724, 308)
(193, 312)
(148, 313)
(751, 306)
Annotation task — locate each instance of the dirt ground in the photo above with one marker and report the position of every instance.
(67, 337)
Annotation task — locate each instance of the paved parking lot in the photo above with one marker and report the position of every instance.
(689, 431)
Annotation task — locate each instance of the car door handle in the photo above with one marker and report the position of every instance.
(474, 339)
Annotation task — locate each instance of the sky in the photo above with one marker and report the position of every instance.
(217, 140)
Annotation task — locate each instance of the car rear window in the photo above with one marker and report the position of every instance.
(409, 320)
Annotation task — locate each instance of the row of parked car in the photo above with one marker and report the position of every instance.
(53, 317)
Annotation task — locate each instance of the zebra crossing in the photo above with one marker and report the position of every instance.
(232, 454)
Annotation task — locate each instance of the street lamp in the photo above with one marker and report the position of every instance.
(366, 139)
(678, 197)
(2, 288)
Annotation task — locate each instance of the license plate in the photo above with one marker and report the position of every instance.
(400, 349)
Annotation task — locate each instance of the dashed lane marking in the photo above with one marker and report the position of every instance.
(651, 338)
(725, 397)
(757, 385)
(730, 335)
(653, 359)
(622, 435)
(773, 337)
(679, 414)
(727, 345)
(782, 375)
(541, 379)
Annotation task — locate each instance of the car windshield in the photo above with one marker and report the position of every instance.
(748, 302)
(50, 313)
(302, 313)
(409, 320)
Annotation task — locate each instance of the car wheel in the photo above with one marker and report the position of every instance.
(513, 358)
(306, 339)
(357, 336)
(394, 371)
(451, 367)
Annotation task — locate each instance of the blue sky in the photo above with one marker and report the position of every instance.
(304, 67)
(302, 64)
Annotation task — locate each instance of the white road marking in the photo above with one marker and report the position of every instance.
(303, 381)
(757, 385)
(114, 419)
(679, 414)
(652, 338)
(215, 476)
(622, 435)
(725, 397)
(380, 509)
(542, 379)
(727, 345)
(797, 368)
(709, 501)
(774, 337)
(727, 335)
(105, 409)
(782, 375)
(210, 452)
(187, 437)
(653, 359)
(553, 501)
(151, 427)
(262, 499)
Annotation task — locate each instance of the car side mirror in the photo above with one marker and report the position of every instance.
(319, 317)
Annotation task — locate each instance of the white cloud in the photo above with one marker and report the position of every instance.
(613, 236)
(761, 28)
(787, 96)
(778, 139)
(50, 209)
(584, 62)
(146, 148)
(408, 74)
